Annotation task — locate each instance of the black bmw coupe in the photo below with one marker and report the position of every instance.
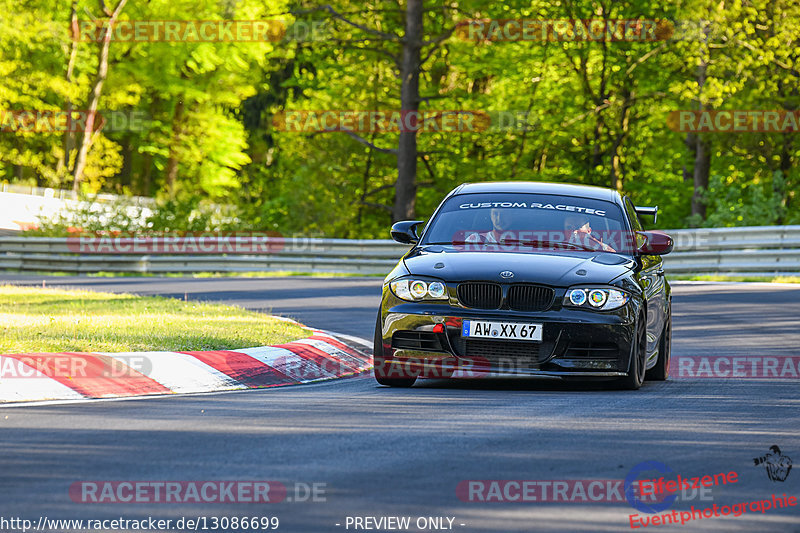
(527, 279)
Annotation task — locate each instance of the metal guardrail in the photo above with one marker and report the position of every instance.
(761, 250)
(241, 254)
(753, 249)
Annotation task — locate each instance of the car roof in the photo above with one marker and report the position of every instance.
(566, 189)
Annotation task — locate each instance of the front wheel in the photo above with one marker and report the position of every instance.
(636, 370)
(379, 363)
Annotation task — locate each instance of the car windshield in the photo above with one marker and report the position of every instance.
(529, 222)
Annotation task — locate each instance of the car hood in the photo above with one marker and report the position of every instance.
(561, 268)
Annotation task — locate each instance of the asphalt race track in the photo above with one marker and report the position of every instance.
(390, 452)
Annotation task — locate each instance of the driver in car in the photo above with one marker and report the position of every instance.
(579, 231)
(502, 220)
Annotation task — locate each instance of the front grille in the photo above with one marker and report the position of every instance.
(480, 295)
(530, 297)
(591, 350)
(508, 355)
(416, 340)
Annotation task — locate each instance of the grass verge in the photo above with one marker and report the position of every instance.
(55, 320)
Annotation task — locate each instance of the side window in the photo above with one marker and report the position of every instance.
(636, 224)
(632, 216)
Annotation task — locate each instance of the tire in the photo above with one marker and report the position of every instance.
(636, 370)
(378, 360)
(660, 372)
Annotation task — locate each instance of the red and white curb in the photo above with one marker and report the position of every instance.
(34, 377)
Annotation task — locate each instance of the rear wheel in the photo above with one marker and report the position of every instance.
(660, 372)
(636, 370)
(380, 365)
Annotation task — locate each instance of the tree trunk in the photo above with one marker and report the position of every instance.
(126, 172)
(147, 173)
(62, 167)
(702, 159)
(617, 172)
(94, 98)
(691, 143)
(406, 185)
(144, 181)
(782, 191)
(172, 160)
(702, 168)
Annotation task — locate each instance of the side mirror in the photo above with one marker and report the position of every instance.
(653, 243)
(405, 232)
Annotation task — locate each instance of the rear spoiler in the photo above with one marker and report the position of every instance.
(647, 211)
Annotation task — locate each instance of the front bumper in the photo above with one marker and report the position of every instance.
(425, 340)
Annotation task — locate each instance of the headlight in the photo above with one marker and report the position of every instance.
(418, 289)
(577, 297)
(415, 290)
(600, 299)
(597, 298)
(436, 289)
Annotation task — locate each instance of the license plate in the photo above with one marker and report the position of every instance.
(502, 330)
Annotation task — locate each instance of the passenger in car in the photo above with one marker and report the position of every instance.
(579, 231)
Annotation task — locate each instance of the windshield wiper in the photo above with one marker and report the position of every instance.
(575, 246)
(504, 242)
(545, 243)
